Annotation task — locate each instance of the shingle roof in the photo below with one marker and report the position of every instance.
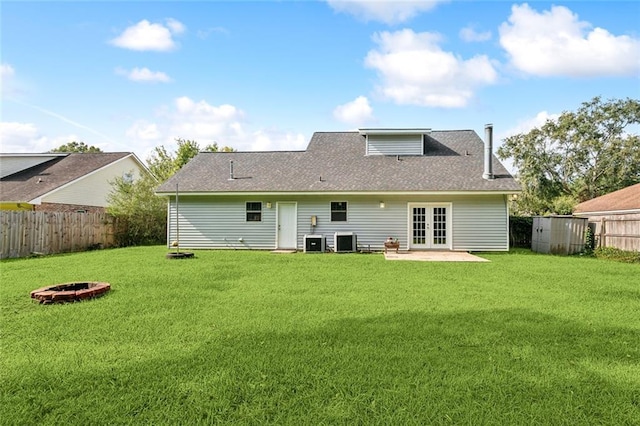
(34, 182)
(624, 199)
(336, 162)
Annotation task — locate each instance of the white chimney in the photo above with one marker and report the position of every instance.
(488, 152)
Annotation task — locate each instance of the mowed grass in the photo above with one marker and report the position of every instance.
(260, 338)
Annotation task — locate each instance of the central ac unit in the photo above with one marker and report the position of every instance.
(315, 243)
(345, 242)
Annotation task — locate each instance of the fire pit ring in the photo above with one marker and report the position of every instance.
(70, 292)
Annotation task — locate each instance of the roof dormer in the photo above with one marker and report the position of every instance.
(394, 141)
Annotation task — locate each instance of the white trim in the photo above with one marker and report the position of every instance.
(416, 131)
(607, 212)
(169, 223)
(340, 193)
(508, 236)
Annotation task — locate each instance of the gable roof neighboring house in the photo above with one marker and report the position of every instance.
(452, 161)
(75, 179)
(625, 200)
(429, 189)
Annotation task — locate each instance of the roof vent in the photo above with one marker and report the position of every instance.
(231, 170)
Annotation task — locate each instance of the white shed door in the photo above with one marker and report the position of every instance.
(287, 226)
(430, 226)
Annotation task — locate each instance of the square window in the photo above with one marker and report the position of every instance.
(338, 211)
(254, 211)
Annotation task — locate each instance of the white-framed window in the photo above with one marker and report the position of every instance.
(128, 177)
(338, 211)
(254, 211)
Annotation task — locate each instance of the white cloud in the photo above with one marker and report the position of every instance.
(26, 137)
(356, 112)
(175, 26)
(7, 80)
(414, 70)
(188, 119)
(143, 130)
(276, 140)
(387, 11)
(144, 75)
(527, 124)
(6, 71)
(556, 43)
(206, 123)
(147, 36)
(203, 34)
(469, 34)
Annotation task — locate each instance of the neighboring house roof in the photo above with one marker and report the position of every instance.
(36, 181)
(336, 162)
(623, 200)
(13, 163)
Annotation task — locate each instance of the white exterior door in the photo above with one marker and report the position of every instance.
(286, 226)
(429, 226)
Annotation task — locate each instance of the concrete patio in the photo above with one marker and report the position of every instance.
(434, 256)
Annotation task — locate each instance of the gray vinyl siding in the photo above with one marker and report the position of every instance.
(213, 222)
(478, 222)
(371, 224)
(394, 145)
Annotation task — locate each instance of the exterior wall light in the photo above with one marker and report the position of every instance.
(268, 204)
(382, 204)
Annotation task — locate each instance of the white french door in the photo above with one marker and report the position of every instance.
(430, 226)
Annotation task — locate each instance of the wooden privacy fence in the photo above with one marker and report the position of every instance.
(23, 233)
(622, 232)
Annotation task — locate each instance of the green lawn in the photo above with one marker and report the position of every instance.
(255, 338)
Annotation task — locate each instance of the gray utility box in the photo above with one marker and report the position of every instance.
(558, 234)
(315, 243)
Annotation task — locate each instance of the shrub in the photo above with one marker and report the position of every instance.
(612, 253)
(141, 215)
(520, 228)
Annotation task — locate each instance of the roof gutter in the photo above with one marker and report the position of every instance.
(315, 193)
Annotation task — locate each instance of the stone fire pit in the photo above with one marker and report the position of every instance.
(70, 292)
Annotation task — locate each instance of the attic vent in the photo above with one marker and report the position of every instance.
(390, 144)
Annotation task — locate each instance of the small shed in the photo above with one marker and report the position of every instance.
(558, 234)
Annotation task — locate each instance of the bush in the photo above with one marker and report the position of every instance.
(141, 215)
(520, 228)
(612, 253)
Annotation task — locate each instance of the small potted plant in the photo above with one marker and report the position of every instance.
(391, 243)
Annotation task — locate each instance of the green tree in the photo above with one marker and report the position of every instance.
(164, 164)
(213, 147)
(576, 157)
(76, 147)
(141, 215)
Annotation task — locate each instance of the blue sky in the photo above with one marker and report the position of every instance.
(130, 76)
